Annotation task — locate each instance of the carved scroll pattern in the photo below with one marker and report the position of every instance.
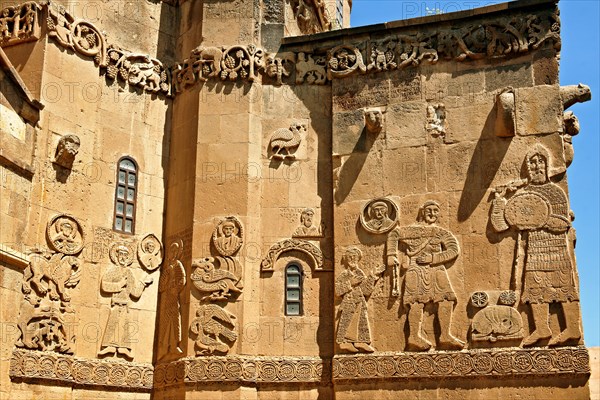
(52, 367)
(507, 363)
(244, 369)
(292, 244)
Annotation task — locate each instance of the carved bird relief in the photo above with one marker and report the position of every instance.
(285, 142)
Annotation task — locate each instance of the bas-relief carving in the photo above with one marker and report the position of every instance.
(211, 325)
(279, 67)
(425, 250)
(122, 285)
(150, 252)
(20, 23)
(436, 123)
(344, 60)
(494, 322)
(544, 270)
(286, 245)
(379, 216)
(373, 120)
(311, 16)
(571, 95)
(505, 113)
(46, 282)
(311, 69)
(215, 327)
(354, 286)
(66, 150)
(171, 283)
(138, 70)
(307, 228)
(284, 142)
(212, 275)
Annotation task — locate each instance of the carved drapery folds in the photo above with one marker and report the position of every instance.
(311, 16)
(47, 281)
(20, 23)
(314, 253)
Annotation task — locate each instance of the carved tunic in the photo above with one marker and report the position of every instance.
(548, 269)
(118, 326)
(425, 282)
(353, 285)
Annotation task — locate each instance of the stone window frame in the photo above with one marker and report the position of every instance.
(299, 288)
(126, 185)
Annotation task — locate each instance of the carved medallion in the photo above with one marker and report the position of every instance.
(379, 216)
(121, 254)
(65, 234)
(150, 252)
(527, 210)
(344, 60)
(228, 236)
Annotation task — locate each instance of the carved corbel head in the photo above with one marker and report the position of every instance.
(373, 120)
(66, 150)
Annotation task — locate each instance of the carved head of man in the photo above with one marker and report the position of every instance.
(228, 228)
(301, 57)
(429, 212)
(378, 210)
(66, 228)
(70, 144)
(373, 120)
(122, 256)
(351, 257)
(306, 217)
(537, 165)
(149, 247)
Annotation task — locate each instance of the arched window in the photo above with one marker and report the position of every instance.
(293, 290)
(125, 196)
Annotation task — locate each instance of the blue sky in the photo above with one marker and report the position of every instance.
(579, 64)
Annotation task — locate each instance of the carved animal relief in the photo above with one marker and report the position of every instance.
(47, 281)
(285, 142)
(215, 328)
(496, 322)
(215, 277)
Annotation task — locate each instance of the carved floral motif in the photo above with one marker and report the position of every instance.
(292, 244)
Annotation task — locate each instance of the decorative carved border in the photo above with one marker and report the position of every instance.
(268, 263)
(493, 362)
(52, 367)
(247, 369)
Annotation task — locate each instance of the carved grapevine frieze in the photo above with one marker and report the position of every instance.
(138, 70)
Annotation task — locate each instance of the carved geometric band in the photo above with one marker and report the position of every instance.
(48, 366)
(243, 369)
(501, 363)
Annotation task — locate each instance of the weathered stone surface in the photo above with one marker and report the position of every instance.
(196, 204)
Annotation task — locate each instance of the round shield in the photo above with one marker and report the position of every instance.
(527, 210)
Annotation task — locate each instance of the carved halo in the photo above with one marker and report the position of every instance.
(69, 244)
(113, 253)
(218, 234)
(367, 220)
(527, 210)
(145, 257)
(175, 250)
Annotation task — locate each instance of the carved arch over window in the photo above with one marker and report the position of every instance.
(314, 253)
(126, 195)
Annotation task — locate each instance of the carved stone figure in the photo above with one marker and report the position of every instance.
(228, 236)
(212, 323)
(139, 70)
(279, 67)
(379, 216)
(219, 282)
(66, 150)
(436, 120)
(311, 69)
(122, 285)
(284, 142)
(497, 322)
(344, 60)
(373, 120)
(539, 211)
(65, 234)
(354, 287)
(428, 249)
(171, 283)
(19, 23)
(575, 94)
(150, 252)
(207, 62)
(383, 55)
(52, 276)
(307, 229)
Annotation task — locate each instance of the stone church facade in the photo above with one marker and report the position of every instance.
(247, 199)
